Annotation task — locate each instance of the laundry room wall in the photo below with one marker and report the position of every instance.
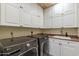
(70, 31)
(17, 31)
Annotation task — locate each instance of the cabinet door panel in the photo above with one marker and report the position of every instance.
(47, 22)
(70, 49)
(67, 50)
(12, 14)
(57, 22)
(69, 20)
(35, 21)
(69, 7)
(26, 19)
(54, 47)
(58, 9)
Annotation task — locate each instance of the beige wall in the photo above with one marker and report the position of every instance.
(5, 31)
(78, 32)
(71, 31)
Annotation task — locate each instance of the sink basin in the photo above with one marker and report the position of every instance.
(62, 37)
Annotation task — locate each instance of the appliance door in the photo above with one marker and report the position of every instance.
(44, 49)
(31, 52)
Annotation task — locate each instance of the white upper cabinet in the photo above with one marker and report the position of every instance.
(57, 10)
(62, 15)
(57, 22)
(48, 17)
(37, 16)
(10, 12)
(0, 13)
(31, 15)
(25, 16)
(77, 14)
(22, 14)
(57, 18)
(70, 20)
(26, 19)
(70, 15)
(69, 7)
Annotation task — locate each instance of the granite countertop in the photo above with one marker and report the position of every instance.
(73, 38)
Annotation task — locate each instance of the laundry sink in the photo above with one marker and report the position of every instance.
(62, 37)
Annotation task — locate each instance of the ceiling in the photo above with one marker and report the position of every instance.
(46, 5)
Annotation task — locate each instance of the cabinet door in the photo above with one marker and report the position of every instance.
(58, 9)
(47, 17)
(26, 19)
(54, 47)
(69, 7)
(69, 20)
(70, 49)
(70, 15)
(32, 15)
(11, 14)
(57, 18)
(35, 21)
(57, 22)
(78, 15)
(25, 15)
(47, 22)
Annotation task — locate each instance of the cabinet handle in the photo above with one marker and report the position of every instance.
(60, 43)
(21, 7)
(68, 42)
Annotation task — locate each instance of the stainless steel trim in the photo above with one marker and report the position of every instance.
(42, 47)
(10, 52)
(29, 50)
(19, 43)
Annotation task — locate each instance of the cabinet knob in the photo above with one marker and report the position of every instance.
(21, 7)
(60, 43)
(68, 42)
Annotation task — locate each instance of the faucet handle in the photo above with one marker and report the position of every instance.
(66, 34)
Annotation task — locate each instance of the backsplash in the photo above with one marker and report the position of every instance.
(5, 31)
(70, 31)
(78, 32)
(17, 31)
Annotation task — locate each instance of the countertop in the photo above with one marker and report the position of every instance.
(73, 38)
(17, 40)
